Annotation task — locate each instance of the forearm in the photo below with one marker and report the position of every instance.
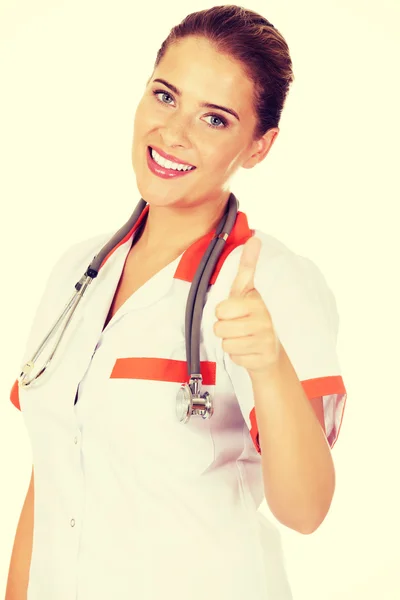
(298, 471)
(18, 575)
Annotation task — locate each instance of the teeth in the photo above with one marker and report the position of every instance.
(167, 164)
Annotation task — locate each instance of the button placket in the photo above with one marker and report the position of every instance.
(76, 441)
(77, 435)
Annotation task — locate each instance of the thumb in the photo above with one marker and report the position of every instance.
(244, 280)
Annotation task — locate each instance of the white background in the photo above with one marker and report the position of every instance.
(71, 74)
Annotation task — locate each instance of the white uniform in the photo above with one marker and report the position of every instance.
(129, 502)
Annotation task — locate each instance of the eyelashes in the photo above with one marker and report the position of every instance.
(224, 122)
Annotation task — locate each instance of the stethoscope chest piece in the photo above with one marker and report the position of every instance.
(190, 403)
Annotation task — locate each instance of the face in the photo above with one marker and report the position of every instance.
(171, 119)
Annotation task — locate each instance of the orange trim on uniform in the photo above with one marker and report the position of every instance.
(314, 388)
(14, 396)
(323, 386)
(254, 430)
(191, 259)
(160, 369)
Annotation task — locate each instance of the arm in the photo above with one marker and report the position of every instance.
(298, 471)
(18, 575)
(297, 467)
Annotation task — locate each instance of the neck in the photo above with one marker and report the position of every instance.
(171, 230)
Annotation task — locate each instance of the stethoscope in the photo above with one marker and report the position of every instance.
(189, 400)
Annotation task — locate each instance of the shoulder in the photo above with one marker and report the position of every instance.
(273, 251)
(79, 255)
(277, 262)
(66, 271)
(284, 278)
(71, 264)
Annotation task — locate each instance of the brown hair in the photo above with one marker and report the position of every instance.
(253, 41)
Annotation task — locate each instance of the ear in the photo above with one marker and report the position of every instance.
(261, 147)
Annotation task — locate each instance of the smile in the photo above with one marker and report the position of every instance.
(166, 169)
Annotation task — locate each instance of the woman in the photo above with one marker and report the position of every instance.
(126, 500)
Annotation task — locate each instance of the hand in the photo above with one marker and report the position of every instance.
(244, 323)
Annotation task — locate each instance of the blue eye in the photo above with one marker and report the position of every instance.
(163, 93)
(222, 123)
(220, 119)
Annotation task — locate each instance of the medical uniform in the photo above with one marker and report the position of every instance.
(129, 502)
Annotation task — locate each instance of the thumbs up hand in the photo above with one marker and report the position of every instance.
(244, 323)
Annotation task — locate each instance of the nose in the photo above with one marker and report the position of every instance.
(175, 131)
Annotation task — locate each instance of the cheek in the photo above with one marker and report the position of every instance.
(140, 119)
(222, 158)
(143, 125)
(146, 116)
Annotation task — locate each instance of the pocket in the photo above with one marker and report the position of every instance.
(143, 394)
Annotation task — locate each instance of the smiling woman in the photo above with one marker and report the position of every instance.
(137, 491)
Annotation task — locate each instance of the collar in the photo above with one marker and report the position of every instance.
(190, 259)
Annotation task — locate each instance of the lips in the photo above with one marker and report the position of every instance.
(174, 159)
(164, 172)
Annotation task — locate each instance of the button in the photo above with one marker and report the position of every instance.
(72, 523)
(75, 439)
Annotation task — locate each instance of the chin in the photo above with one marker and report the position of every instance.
(160, 193)
(157, 195)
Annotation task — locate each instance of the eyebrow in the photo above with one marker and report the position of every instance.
(203, 104)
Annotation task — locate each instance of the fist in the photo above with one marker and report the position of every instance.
(243, 321)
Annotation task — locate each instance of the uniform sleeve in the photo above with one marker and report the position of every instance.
(304, 313)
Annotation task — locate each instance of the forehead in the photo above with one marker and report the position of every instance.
(195, 67)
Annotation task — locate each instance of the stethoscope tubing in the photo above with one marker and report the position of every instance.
(200, 284)
(194, 305)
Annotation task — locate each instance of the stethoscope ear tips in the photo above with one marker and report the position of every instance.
(189, 403)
